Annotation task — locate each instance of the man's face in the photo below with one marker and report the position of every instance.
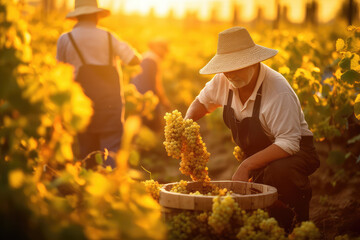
(242, 77)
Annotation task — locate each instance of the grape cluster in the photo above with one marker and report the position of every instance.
(180, 187)
(228, 221)
(238, 153)
(183, 140)
(194, 156)
(307, 230)
(207, 189)
(153, 187)
(259, 226)
(222, 211)
(174, 133)
(182, 226)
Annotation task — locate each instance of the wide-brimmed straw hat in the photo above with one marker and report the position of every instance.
(84, 7)
(236, 50)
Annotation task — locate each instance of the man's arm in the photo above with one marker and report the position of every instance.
(259, 160)
(135, 60)
(196, 110)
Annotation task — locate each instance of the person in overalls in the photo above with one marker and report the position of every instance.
(150, 79)
(94, 52)
(266, 121)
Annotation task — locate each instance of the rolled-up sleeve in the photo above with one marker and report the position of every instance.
(283, 116)
(123, 50)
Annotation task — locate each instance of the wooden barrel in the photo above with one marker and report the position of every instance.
(248, 195)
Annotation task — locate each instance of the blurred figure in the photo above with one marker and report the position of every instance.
(94, 53)
(150, 79)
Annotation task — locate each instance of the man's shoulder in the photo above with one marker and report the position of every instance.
(63, 36)
(63, 40)
(275, 82)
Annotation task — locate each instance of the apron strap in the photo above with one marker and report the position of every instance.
(76, 48)
(229, 100)
(110, 50)
(256, 109)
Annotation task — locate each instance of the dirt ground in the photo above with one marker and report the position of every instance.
(335, 208)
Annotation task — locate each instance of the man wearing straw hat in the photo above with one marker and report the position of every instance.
(266, 121)
(94, 53)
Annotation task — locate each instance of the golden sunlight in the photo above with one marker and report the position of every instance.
(247, 8)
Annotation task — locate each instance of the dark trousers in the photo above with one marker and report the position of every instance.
(290, 177)
(90, 142)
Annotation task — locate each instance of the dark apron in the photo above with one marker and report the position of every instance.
(101, 84)
(249, 135)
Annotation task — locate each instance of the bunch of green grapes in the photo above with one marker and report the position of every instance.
(307, 230)
(174, 133)
(238, 153)
(182, 226)
(203, 217)
(194, 155)
(153, 187)
(183, 140)
(271, 229)
(217, 191)
(180, 187)
(222, 211)
(259, 226)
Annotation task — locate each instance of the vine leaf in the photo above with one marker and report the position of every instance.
(357, 107)
(351, 76)
(336, 158)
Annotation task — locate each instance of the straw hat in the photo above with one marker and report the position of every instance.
(83, 7)
(236, 50)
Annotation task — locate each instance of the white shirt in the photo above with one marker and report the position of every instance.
(93, 44)
(280, 111)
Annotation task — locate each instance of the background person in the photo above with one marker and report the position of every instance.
(94, 52)
(150, 79)
(265, 118)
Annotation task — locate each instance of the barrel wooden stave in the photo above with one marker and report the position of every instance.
(243, 194)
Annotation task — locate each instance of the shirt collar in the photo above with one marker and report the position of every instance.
(85, 24)
(259, 81)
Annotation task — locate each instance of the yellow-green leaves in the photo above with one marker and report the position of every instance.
(340, 44)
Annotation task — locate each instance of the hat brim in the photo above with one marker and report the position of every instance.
(88, 10)
(228, 62)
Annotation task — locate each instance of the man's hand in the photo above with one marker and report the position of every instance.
(241, 174)
(258, 160)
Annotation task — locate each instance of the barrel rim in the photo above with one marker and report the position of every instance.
(189, 201)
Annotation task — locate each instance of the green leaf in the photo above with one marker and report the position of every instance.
(336, 158)
(351, 76)
(345, 63)
(357, 107)
(347, 155)
(340, 44)
(98, 158)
